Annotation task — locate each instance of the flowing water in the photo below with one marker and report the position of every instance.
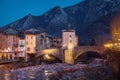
(56, 72)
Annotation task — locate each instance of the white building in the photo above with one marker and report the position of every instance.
(21, 47)
(69, 39)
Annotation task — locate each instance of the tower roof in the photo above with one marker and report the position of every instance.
(68, 30)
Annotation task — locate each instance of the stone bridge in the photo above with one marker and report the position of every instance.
(54, 52)
(82, 49)
(58, 53)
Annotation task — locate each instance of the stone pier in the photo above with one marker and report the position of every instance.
(69, 57)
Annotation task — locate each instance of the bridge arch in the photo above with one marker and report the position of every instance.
(53, 53)
(49, 58)
(87, 55)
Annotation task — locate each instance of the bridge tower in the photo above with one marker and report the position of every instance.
(69, 41)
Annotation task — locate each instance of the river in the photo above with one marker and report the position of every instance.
(91, 71)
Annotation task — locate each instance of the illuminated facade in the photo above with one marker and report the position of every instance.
(69, 39)
(10, 40)
(69, 42)
(8, 44)
(115, 28)
(35, 41)
(114, 43)
(0, 41)
(21, 45)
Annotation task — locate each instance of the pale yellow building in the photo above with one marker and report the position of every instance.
(35, 41)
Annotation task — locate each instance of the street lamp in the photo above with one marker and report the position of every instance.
(46, 55)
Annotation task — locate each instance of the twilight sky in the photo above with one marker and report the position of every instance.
(11, 10)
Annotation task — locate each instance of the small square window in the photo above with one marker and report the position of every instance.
(70, 35)
(27, 43)
(42, 36)
(28, 49)
(31, 37)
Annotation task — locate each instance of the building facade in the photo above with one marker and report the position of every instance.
(69, 39)
(11, 40)
(69, 42)
(0, 40)
(35, 41)
(14, 46)
(21, 48)
(8, 44)
(53, 42)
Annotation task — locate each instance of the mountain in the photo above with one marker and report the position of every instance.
(90, 18)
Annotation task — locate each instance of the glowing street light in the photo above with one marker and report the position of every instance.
(46, 55)
(109, 45)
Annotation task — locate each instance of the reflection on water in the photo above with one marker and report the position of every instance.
(31, 74)
(7, 76)
(46, 75)
(25, 75)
